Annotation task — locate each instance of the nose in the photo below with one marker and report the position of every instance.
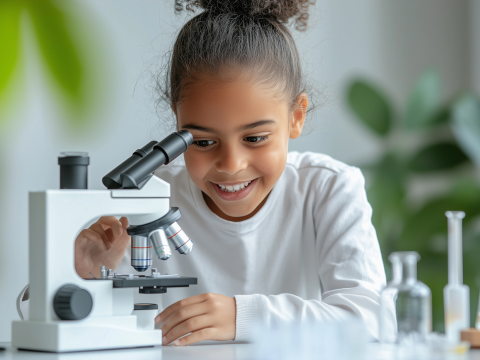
(230, 160)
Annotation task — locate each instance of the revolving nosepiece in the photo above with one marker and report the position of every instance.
(160, 234)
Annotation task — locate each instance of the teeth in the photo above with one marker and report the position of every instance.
(234, 188)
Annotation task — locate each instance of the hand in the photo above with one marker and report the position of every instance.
(103, 243)
(206, 316)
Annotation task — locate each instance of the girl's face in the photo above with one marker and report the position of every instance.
(240, 141)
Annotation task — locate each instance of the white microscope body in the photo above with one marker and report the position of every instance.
(56, 217)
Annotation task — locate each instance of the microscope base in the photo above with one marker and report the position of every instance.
(113, 332)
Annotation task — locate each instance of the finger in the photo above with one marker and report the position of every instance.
(124, 238)
(113, 223)
(92, 236)
(197, 336)
(189, 326)
(124, 221)
(184, 314)
(181, 304)
(97, 227)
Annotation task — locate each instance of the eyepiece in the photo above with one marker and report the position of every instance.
(163, 153)
(112, 179)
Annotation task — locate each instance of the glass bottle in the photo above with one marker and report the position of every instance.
(405, 303)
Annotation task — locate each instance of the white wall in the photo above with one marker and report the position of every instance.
(391, 42)
(474, 27)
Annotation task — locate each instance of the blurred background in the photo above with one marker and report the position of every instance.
(397, 84)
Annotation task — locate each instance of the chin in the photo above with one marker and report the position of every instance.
(237, 211)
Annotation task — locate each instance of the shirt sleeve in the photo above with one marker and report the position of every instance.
(350, 266)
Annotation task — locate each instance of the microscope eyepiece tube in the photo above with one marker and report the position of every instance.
(73, 170)
(172, 147)
(141, 256)
(163, 153)
(112, 179)
(179, 239)
(160, 244)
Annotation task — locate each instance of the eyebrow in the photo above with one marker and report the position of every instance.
(199, 128)
(256, 124)
(241, 128)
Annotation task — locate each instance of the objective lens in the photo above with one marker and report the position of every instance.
(160, 244)
(141, 253)
(179, 239)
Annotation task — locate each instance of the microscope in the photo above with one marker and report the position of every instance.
(68, 313)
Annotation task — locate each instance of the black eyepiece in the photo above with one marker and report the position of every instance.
(163, 153)
(146, 160)
(112, 179)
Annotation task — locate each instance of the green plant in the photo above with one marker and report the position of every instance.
(61, 37)
(428, 141)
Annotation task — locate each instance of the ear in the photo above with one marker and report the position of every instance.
(298, 116)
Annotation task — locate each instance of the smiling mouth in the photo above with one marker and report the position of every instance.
(235, 187)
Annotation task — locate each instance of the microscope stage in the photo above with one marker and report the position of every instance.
(145, 281)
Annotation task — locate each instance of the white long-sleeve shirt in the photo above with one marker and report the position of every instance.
(310, 253)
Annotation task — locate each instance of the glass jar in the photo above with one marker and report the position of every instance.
(405, 303)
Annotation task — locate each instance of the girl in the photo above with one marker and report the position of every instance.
(278, 236)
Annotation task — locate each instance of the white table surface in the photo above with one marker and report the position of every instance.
(207, 350)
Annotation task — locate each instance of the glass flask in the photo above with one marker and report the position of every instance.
(405, 303)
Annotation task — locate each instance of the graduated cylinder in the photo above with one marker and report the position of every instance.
(456, 295)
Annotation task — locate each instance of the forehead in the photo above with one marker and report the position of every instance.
(218, 103)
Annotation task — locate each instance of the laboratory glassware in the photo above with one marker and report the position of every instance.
(405, 303)
(456, 295)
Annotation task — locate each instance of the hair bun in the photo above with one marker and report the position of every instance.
(281, 10)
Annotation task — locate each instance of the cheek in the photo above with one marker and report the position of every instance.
(271, 161)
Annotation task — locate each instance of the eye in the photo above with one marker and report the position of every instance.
(256, 139)
(203, 143)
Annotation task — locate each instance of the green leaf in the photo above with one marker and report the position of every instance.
(467, 191)
(58, 47)
(423, 101)
(429, 221)
(439, 156)
(10, 11)
(466, 125)
(440, 117)
(386, 196)
(370, 106)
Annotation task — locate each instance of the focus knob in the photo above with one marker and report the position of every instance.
(72, 303)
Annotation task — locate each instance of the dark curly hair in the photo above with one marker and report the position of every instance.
(237, 35)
